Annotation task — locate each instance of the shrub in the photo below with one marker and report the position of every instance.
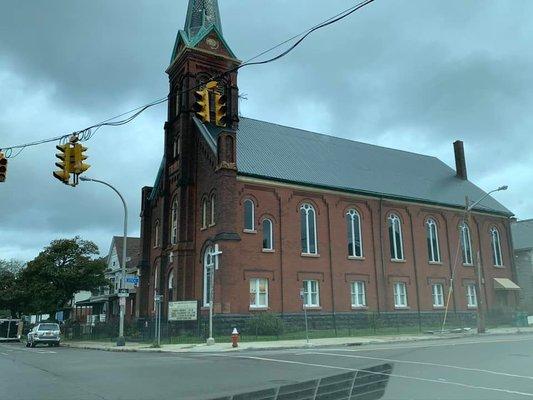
(265, 324)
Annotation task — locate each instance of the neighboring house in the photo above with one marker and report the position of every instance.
(523, 252)
(104, 303)
(357, 227)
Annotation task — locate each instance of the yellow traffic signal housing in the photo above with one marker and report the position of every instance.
(3, 167)
(201, 106)
(66, 162)
(79, 166)
(221, 109)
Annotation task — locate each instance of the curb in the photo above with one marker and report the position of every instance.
(191, 349)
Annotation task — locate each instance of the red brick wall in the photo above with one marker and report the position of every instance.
(285, 267)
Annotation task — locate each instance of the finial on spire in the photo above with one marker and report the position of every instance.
(202, 14)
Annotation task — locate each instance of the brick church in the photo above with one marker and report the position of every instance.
(355, 227)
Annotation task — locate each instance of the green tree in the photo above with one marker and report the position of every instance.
(63, 268)
(11, 295)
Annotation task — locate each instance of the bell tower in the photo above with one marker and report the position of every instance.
(200, 56)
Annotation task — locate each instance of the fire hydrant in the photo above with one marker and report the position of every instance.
(234, 338)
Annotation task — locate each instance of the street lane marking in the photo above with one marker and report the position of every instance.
(423, 363)
(391, 375)
(422, 346)
(4, 354)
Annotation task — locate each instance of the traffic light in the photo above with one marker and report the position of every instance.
(3, 167)
(66, 158)
(79, 166)
(201, 106)
(221, 109)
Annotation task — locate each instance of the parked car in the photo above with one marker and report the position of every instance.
(44, 333)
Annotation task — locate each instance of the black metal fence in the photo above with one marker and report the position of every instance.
(264, 327)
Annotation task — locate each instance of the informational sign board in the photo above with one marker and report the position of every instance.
(132, 281)
(183, 310)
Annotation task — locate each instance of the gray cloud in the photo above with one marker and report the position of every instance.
(412, 75)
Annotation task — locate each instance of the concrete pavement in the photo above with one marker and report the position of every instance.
(287, 344)
(474, 367)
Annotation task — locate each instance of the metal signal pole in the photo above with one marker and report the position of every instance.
(121, 341)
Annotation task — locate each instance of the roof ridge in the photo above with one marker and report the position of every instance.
(341, 138)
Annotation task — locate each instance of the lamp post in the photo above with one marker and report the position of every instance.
(479, 279)
(121, 341)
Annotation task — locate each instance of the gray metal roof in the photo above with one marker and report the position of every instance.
(293, 155)
(522, 234)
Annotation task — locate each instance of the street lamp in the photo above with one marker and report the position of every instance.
(121, 341)
(479, 283)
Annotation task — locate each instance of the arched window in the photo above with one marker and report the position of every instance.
(209, 266)
(204, 213)
(249, 215)
(432, 237)
(496, 247)
(466, 243)
(171, 286)
(355, 242)
(395, 237)
(212, 211)
(156, 278)
(174, 222)
(156, 234)
(268, 239)
(308, 229)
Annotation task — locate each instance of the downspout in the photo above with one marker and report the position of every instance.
(375, 257)
(451, 262)
(281, 255)
(386, 297)
(510, 246)
(483, 283)
(414, 266)
(331, 271)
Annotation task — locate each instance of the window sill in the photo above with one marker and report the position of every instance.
(268, 250)
(499, 266)
(249, 231)
(318, 308)
(397, 261)
(203, 228)
(439, 307)
(211, 225)
(361, 308)
(356, 258)
(402, 307)
(435, 262)
(312, 255)
(471, 307)
(252, 308)
(468, 265)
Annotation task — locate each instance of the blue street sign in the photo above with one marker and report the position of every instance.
(134, 280)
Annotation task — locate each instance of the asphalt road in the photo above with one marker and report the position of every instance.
(494, 367)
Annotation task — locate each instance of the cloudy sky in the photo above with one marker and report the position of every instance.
(411, 74)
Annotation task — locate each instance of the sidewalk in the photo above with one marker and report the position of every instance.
(289, 344)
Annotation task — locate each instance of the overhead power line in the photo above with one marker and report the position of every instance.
(87, 133)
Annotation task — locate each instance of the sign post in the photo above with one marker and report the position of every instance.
(213, 266)
(302, 297)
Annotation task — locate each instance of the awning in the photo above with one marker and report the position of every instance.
(505, 284)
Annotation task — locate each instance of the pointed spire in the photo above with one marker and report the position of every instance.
(202, 14)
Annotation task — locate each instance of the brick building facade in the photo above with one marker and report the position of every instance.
(358, 227)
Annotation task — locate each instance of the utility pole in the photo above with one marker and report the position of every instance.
(479, 278)
(123, 294)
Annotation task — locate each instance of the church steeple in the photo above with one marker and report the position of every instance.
(202, 14)
(203, 30)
